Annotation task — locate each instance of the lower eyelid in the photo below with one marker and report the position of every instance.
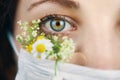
(44, 29)
(65, 33)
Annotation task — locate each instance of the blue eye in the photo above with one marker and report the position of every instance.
(57, 25)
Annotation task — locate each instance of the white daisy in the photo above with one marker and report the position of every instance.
(40, 47)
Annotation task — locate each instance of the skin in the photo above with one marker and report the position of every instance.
(97, 36)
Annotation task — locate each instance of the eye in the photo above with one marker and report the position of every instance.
(55, 23)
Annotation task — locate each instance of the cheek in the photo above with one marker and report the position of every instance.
(77, 37)
(115, 42)
(79, 59)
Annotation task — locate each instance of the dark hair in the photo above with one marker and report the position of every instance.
(8, 65)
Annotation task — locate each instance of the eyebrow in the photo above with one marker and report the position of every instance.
(65, 3)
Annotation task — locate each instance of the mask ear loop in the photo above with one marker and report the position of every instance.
(10, 39)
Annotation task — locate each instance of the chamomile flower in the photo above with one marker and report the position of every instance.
(40, 47)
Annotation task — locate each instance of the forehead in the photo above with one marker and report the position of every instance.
(100, 2)
(97, 3)
(100, 5)
(91, 6)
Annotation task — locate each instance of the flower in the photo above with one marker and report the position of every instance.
(34, 33)
(40, 37)
(19, 38)
(40, 47)
(24, 33)
(29, 48)
(67, 49)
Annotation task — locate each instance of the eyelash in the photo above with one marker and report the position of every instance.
(57, 17)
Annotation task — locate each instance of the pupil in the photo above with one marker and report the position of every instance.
(57, 23)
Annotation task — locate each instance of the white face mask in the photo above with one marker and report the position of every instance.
(30, 68)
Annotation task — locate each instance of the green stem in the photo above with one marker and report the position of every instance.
(55, 67)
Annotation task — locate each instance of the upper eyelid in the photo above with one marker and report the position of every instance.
(59, 16)
(53, 16)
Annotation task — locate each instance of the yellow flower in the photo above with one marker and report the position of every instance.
(40, 48)
(29, 47)
(40, 37)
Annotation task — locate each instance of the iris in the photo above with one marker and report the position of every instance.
(57, 25)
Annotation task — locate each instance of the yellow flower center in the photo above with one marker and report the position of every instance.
(29, 48)
(40, 48)
(40, 37)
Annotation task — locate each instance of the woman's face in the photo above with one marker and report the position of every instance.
(94, 25)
